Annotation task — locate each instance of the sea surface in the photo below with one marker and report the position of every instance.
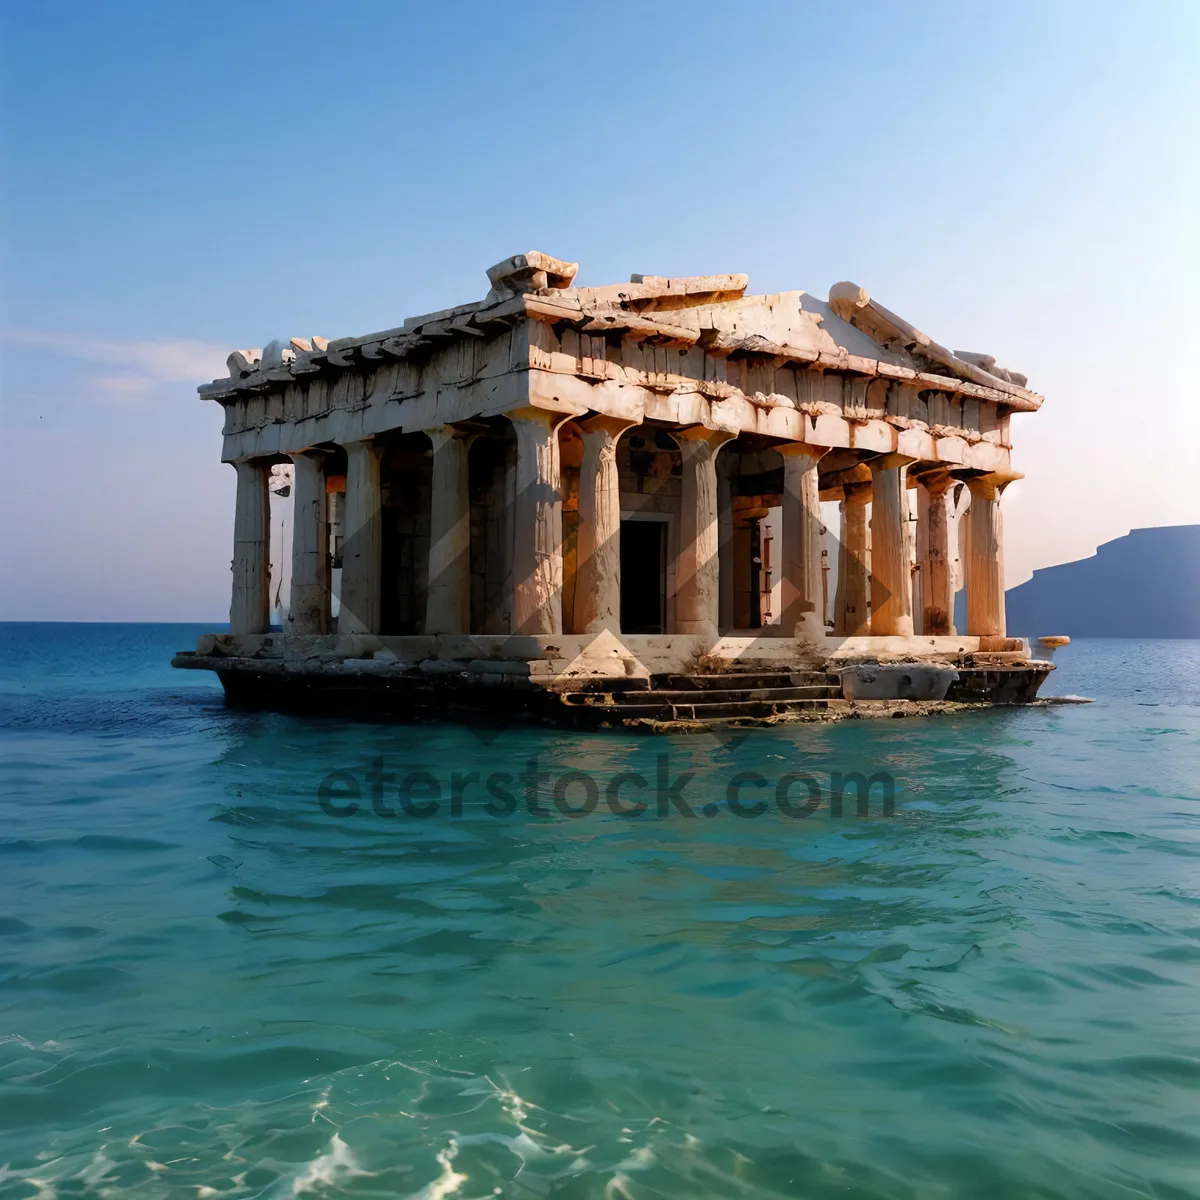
(214, 985)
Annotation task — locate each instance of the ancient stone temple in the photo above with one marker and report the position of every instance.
(601, 491)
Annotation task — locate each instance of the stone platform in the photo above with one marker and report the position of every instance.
(655, 684)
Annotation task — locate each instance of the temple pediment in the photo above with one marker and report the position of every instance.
(849, 335)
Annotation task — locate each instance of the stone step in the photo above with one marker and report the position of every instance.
(747, 709)
(693, 696)
(729, 695)
(612, 683)
(742, 680)
(744, 708)
(653, 709)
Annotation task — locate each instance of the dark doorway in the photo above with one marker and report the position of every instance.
(643, 576)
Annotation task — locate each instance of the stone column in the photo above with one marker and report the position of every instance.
(249, 608)
(448, 600)
(309, 608)
(362, 577)
(891, 579)
(937, 583)
(920, 553)
(726, 563)
(598, 548)
(850, 603)
(984, 568)
(697, 585)
(803, 612)
(537, 546)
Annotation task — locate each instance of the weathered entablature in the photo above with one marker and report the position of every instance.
(692, 351)
(490, 460)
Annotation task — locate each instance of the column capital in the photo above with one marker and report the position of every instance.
(992, 484)
(702, 435)
(885, 462)
(801, 450)
(313, 452)
(441, 435)
(603, 423)
(937, 482)
(530, 414)
(857, 492)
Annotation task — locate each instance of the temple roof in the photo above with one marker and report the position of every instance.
(849, 332)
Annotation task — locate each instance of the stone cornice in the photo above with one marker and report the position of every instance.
(708, 311)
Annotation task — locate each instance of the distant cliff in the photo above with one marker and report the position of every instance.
(1146, 584)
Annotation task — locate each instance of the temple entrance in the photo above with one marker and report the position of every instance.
(750, 518)
(643, 576)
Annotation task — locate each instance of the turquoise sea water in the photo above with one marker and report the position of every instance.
(209, 986)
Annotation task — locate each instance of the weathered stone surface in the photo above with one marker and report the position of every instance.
(275, 354)
(309, 609)
(697, 584)
(598, 573)
(242, 362)
(282, 477)
(249, 610)
(986, 362)
(891, 585)
(300, 677)
(853, 304)
(537, 549)
(896, 681)
(984, 568)
(528, 272)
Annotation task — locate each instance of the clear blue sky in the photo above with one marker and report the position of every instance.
(1019, 179)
